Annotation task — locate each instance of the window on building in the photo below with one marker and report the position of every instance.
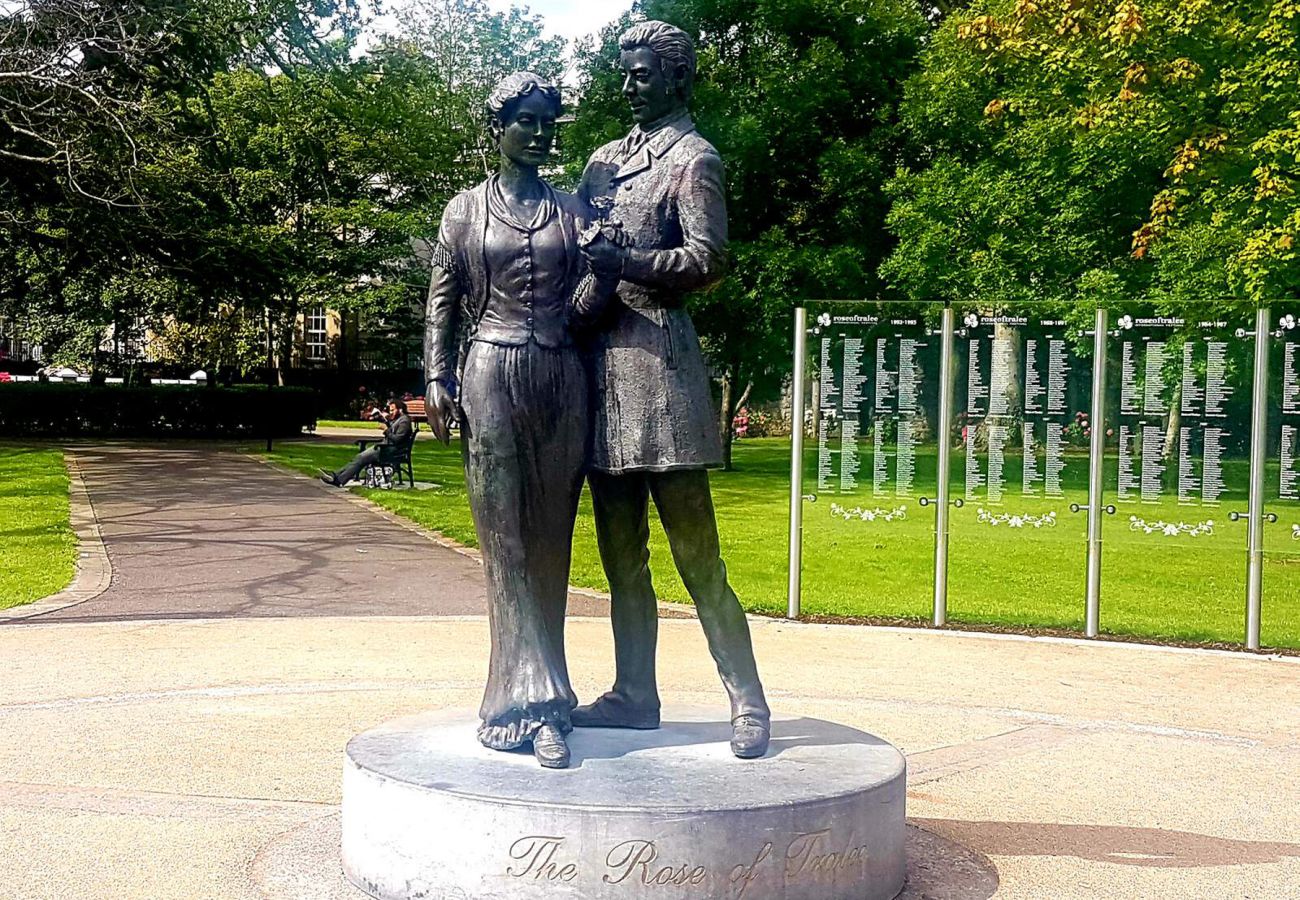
(317, 338)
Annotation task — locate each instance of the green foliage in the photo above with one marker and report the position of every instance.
(273, 168)
(467, 47)
(1074, 149)
(224, 165)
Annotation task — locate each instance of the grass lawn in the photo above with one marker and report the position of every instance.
(38, 550)
(1156, 586)
(349, 423)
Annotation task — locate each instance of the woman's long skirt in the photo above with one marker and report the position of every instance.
(524, 430)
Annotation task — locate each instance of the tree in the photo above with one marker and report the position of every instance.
(805, 121)
(272, 169)
(1076, 150)
(468, 48)
(76, 76)
(96, 100)
(70, 73)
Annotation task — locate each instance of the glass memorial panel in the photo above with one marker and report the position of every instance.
(870, 457)
(1177, 474)
(1280, 613)
(1020, 466)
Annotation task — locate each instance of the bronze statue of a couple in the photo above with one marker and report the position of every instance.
(581, 362)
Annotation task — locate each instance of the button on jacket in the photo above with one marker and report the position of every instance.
(529, 274)
(501, 281)
(654, 409)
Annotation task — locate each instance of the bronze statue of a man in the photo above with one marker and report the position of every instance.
(655, 429)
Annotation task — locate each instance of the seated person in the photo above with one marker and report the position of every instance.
(399, 435)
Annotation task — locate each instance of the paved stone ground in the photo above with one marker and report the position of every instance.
(181, 735)
(202, 758)
(197, 532)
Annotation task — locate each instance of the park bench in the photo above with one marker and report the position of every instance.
(385, 475)
(414, 408)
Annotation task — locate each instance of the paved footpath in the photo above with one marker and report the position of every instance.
(199, 533)
(181, 736)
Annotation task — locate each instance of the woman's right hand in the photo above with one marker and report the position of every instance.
(440, 410)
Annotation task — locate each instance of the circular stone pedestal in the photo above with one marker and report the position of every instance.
(429, 813)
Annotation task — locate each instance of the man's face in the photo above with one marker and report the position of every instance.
(650, 92)
(392, 410)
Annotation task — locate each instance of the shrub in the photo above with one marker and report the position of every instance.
(767, 423)
(34, 409)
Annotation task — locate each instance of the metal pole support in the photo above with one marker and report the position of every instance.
(270, 379)
(1096, 473)
(1258, 458)
(947, 377)
(796, 462)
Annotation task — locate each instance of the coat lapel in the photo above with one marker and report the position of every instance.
(639, 162)
(656, 146)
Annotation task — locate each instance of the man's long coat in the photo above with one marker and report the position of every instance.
(654, 409)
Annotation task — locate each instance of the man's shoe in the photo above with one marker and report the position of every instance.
(612, 711)
(329, 478)
(749, 737)
(550, 748)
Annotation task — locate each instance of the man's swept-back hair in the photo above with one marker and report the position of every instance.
(514, 88)
(673, 46)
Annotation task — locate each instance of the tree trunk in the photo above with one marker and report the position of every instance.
(744, 395)
(288, 338)
(287, 346)
(1007, 339)
(726, 413)
(1175, 423)
(341, 354)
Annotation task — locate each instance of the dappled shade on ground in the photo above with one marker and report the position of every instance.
(194, 532)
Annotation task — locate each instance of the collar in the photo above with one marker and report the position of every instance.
(657, 139)
(674, 117)
(500, 209)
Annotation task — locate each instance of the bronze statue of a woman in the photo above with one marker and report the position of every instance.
(508, 264)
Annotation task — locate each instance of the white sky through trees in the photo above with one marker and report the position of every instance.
(569, 19)
(572, 18)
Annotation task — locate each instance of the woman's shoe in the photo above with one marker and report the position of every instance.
(550, 748)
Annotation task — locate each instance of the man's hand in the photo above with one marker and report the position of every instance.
(605, 256)
(440, 407)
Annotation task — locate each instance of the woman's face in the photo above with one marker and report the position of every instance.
(529, 130)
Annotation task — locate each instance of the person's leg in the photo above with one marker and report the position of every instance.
(527, 688)
(686, 509)
(359, 462)
(556, 439)
(621, 505)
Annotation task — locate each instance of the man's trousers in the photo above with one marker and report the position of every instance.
(685, 508)
(368, 457)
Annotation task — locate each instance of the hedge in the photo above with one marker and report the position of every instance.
(37, 409)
